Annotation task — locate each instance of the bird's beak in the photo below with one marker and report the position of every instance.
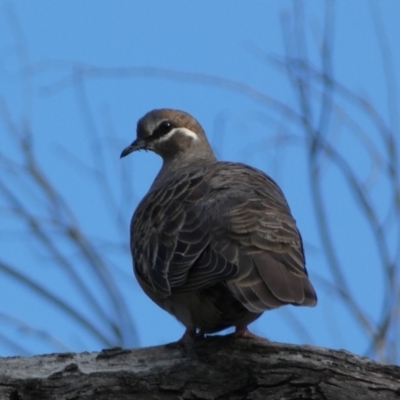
(138, 144)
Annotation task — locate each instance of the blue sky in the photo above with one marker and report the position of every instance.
(77, 127)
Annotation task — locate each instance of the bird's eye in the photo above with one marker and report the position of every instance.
(162, 129)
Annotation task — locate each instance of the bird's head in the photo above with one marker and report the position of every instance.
(171, 134)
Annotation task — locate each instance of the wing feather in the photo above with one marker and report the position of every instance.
(255, 219)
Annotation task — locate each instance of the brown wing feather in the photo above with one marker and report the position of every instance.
(172, 250)
(253, 215)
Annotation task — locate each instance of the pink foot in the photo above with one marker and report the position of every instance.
(243, 333)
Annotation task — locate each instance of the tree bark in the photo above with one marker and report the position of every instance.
(212, 368)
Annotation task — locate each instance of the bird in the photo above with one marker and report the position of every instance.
(213, 242)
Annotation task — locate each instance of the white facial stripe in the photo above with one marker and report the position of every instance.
(185, 131)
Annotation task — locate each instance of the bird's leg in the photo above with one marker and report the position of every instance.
(188, 335)
(242, 332)
(191, 334)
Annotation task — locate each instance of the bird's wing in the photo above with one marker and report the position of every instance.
(254, 230)
(170, 238)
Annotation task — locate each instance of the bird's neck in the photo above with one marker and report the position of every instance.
(179, 165)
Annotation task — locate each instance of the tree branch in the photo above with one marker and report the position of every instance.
(212, 368)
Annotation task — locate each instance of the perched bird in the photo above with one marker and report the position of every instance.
(213, 243)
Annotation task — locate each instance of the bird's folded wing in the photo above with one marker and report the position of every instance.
(255, 231)
(172, 251)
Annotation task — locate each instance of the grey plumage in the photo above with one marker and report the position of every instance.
(213, 243)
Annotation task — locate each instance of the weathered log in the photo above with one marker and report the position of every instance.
(212, 368)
